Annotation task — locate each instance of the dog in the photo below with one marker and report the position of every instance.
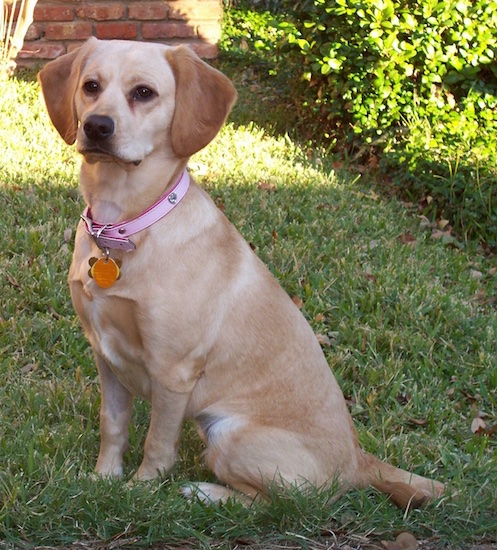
(177, 307)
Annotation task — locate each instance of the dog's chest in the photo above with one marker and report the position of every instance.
(112, 327)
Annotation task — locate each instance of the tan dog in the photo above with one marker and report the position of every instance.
(195, 323)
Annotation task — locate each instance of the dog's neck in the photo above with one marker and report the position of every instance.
(117, 191)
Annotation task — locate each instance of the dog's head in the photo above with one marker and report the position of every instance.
(122, 100)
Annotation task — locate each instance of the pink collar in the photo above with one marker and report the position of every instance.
(115, 235)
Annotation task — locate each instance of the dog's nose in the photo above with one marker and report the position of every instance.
(98, 127)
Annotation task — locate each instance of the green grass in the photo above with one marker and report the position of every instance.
(407, 319)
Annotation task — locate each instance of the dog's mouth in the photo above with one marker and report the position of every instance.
(94, 152)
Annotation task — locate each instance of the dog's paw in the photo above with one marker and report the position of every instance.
(212, 494)
(101, 476)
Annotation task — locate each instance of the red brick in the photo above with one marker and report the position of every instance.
(101, 12)
(196, 10)
(167, 30)
(53, 13)
(35, 32)
(40, 50)
(147, 11)
(68, 31)
(116, 30)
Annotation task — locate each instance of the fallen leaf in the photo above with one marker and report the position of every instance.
(404, 541)
(298, 302)
(417, 421)
(491, 431)
(478, 425)
(323, 340)
(275, 235)
(406, 238)
(437, 234)
(320, 318)
(425, 222)
(407, 541)
(475, 274)
(67, 235)
(29, 367)
(58, 316)
(443, 223)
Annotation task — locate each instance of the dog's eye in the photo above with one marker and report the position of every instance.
(142, 93)
(91, 87)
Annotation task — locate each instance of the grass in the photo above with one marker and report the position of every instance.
(406, 317)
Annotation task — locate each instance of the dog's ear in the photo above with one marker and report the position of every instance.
(204, 97)
(59, 79)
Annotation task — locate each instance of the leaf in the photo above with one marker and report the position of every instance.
(298, 302)
(491, 431)
(425, 222)
(28, 368)
(478, 425)
(475, 274)
(323, 340)
(404, 541)
(407, 238)
(418, 421)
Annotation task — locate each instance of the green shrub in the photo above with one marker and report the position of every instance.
(372, 62)
(417, 79)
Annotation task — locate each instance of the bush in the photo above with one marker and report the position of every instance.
(373, 62)
(417, 78)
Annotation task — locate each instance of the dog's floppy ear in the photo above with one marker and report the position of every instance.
(59, 79)
(204, 97)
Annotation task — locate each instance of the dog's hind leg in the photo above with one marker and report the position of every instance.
(251, 459)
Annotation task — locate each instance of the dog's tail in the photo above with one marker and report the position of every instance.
(406, 490)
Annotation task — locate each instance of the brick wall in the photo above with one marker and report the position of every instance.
(61, 25)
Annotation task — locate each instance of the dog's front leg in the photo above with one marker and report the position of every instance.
(115, 415)
(166, 422)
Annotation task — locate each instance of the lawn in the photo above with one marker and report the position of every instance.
(405, 313)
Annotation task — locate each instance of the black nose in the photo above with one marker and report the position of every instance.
(98, 127)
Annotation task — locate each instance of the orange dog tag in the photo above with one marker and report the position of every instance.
(104, 271)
